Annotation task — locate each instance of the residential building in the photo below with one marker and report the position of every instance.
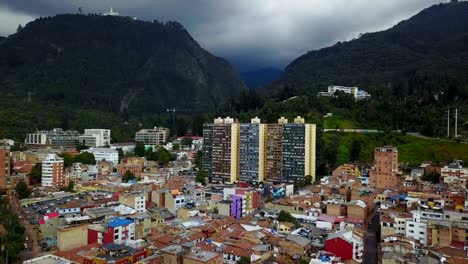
(299, 140)
(125, 166)
(384, 174)
(207, 149)
(252, 151)
(274, 151)
(95, 138)
(187, 253)
(417, 230)
(255, 152)
(246, 200)
(225, 150)
(117, 230)
(153, 137)
(49, 259)
(346, 244)
(112, 253)
(134, 200)
(5, 173)
(106, 154)
(52, 171)
(56, 136)
(70, 237)
(454, 172)
(347, 170)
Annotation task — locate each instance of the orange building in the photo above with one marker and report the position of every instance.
(5, 181)
(384, 174)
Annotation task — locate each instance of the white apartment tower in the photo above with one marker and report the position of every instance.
(52, 171)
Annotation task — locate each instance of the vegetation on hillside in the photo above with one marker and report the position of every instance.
(11, 232)
(113, 64)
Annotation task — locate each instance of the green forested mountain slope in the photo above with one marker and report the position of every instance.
(114, 64)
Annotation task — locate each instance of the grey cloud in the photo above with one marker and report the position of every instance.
(249, 32)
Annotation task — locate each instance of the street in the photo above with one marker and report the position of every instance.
(33, 249)
(370, 254)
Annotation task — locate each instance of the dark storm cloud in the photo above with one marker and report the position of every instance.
(249, 32)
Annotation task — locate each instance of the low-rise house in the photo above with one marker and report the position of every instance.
(346, 244)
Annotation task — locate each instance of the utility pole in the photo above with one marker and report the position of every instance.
(456, 122)
(448, 122)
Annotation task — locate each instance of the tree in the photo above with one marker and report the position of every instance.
(67, 159)
(308, 180)
(176, 147)
(140, 149)
(201, 177)
(199, 159)
(86, 158)
(121, 154)
(151, 155)
(163, 156)
(22, 190)
(284, 216)
(244, 260)
(36, 172)
(431, 177)
(186, 141)
(355, 150)
(71, 186)
(19, 28)
(298, 184)
(128, 176)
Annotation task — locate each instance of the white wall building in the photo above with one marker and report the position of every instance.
(56, 136)
(134, 200)
(417, 230)
(354, 91)
(153, 137)
(95, 137)
(52, 171)
(106, 154)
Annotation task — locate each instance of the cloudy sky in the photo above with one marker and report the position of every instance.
(250, 33)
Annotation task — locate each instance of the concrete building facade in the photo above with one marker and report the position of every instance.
(95, 138)
(153, 137)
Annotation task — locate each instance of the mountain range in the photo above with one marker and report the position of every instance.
(118, 68)
(115, 64)
(428, 52)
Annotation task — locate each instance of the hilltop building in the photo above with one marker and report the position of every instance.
(354, 91)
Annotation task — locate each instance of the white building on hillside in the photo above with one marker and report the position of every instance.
(95, 138)
(106, 154)
(354, 91)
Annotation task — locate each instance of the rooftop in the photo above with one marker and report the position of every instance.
(48, 259)
(117, 221)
